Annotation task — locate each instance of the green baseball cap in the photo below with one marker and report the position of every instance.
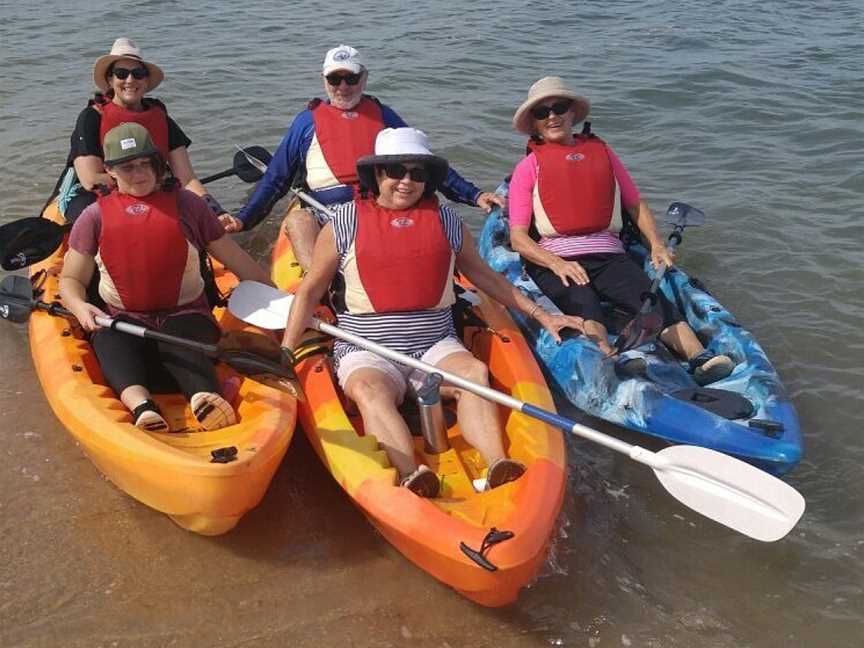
(127, 142)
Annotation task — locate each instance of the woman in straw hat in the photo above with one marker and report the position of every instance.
(564, 210)
(146, 237)
(393, 251)
(123, 78)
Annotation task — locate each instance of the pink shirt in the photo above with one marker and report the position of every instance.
(520, 208)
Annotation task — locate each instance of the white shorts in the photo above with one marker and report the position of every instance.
(399, 374)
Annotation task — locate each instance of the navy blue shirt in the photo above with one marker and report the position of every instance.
(291, 156)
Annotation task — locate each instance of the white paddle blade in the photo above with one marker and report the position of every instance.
(260, 305)
(729, 491)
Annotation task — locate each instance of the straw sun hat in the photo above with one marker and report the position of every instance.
(124, 48)
(547, 88)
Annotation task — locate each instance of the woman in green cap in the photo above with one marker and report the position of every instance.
(145, 238)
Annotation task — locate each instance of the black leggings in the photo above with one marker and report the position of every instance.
(127, 360)
(613, 277)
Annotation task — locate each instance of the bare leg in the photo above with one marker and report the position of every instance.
(302, 229)
(681, 339)
(377, 398)
(597, 333)
(478, 417)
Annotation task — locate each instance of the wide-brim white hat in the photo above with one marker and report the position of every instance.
(398, 145)
(124, 48)
(547, 88)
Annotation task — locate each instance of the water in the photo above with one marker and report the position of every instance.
(751, 111)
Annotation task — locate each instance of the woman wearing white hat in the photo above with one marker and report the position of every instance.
(392, 252)
(123, 78)
(564, 212)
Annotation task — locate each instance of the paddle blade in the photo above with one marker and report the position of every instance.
(29, 241)
(684, 215)
(16, 298)
(267, 372)
(260, 305)
(643, 328)
(250, 163)
(727, 490)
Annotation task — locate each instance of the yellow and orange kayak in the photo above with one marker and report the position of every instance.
(434, 533)
(171, 472)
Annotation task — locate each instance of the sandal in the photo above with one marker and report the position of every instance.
(503, 470)
(148, 417)
(708, 368)
(212, 411)
(422, 482)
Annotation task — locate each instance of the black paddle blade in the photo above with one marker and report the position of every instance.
(684, 215)
(16, 298)
(641, 329)
(267, 372)
(259, 357)
(29, 241)
(244, 169)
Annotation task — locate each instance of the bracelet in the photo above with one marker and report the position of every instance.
(533, 310)
(213, 204)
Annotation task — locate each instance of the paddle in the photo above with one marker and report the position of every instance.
(260, 163)
(251, 354)
(719, 487)
(649, 321)
(242, 167)
(30, 240)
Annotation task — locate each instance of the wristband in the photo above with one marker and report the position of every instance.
(213, 204)
(533, 310)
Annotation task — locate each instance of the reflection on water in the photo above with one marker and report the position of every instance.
(752, 113)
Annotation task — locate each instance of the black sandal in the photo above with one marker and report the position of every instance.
(148, 417)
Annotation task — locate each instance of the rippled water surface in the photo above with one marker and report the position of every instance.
(752, 111)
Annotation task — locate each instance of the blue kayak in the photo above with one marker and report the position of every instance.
(647, 389)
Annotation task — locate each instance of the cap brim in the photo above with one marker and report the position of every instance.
(354, 68)
(438, 167)
(522, 117)
(133, 156)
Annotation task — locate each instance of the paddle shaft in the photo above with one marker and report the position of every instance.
(218, 176)
(211, 350)
(674, 239)
(493, 395)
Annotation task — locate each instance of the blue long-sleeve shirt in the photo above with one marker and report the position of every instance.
(291, 157)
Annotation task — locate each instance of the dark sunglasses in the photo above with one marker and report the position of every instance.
(399, 171)
(336, 79)
(559, 108)
(137, 73)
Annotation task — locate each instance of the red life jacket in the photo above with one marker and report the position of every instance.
(347, 135)
(143, 250)
(402, 260)
(576, 191)
(153, 118)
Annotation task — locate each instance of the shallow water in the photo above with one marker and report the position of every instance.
(752, 112)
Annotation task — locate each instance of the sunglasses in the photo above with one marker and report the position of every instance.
(399, 171)
(559, 108)
(336, 79)
(137, 73)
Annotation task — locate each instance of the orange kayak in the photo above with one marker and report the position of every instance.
(174, 472)
(434, 533)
